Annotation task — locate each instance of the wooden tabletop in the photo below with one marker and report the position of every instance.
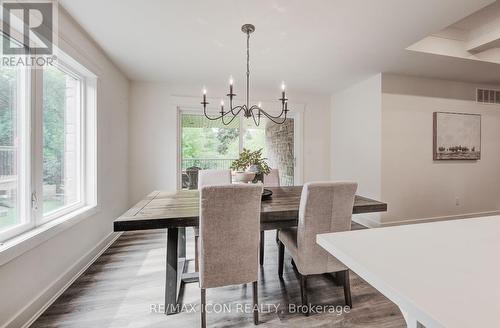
(161, 209)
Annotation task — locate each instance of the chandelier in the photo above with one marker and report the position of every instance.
(254, 111)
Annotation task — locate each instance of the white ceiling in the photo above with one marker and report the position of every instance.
(476, 38)
(485, 17)
(315, 45)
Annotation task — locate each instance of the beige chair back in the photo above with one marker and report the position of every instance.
(324, 207)
(272, 179)
(229, 234)
(213, 178)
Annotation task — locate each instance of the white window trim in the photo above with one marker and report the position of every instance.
(87, 192)
(30, 239)
(38, 232)
(192, 105)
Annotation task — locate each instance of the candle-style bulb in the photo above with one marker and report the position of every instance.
(259, 105)
(222, 102)
(204, 91)
(283, 86)
(231, 81)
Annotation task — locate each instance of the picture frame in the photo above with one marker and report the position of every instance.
(456, 136)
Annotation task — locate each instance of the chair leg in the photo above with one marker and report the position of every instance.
(261, 247)
(203, 304)
(347, 288)
(281, 258)
(303, 292)
(196, 249)
(255, 303)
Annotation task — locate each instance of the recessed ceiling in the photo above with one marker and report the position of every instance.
(315, 46)
(476, 37)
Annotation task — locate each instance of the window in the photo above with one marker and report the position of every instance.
(206, 144)
(47, 144)
(61, 140)
(13, 150)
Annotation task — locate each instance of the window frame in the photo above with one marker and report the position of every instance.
(32, 103)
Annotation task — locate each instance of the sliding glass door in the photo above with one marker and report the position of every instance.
(206, 144)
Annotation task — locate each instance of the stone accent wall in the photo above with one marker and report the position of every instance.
(279, 146)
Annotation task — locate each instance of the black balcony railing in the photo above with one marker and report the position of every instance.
(190, 167)
(8, 162)
(206, 163)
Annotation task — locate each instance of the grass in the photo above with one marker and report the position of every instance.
(10, 218)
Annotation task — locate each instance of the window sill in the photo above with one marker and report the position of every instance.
(17, 246)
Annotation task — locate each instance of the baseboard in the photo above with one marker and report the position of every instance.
(24, 318)
(439, 218)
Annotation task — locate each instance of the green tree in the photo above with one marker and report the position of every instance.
(54, 105)
(7, 106)
(226, 137)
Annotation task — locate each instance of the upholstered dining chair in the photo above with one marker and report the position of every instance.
(272, 179)
(209, 178)
(229, 239)
(324, 207)
(213, 178)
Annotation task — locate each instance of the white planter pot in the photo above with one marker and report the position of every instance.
(244, 177)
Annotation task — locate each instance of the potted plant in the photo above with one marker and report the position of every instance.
(248, 165)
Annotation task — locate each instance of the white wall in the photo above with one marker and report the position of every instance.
(30, 280)
(153, 135)
(356, 139)
(415, 186)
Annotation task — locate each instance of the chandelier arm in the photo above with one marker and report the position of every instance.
(239, 108)
(222, 118)
(231, 120)
(231, 106)
(210, 118)
(254, 107)
(257, 122)
(222, 115)
(274, 118)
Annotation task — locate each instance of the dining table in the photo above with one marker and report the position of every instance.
(177, 210)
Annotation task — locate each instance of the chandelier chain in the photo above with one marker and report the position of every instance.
(248, 66)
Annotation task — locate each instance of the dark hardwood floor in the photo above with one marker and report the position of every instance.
(125, 288)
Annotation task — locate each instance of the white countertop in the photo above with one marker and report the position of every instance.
(444, 274)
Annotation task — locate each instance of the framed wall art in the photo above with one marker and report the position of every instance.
(457, 136)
